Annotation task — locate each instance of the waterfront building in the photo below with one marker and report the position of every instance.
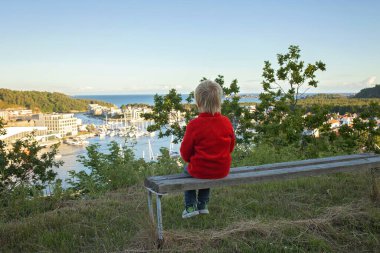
(64, 124)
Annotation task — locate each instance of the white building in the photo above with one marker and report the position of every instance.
(63, 124)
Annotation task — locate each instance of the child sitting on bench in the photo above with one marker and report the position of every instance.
(207, 145)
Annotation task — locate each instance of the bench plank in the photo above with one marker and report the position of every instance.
(166, 184)
(270, 166)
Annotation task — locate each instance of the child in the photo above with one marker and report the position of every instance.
(207, 145)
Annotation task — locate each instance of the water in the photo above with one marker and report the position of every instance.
(119, 100)
(148, 99)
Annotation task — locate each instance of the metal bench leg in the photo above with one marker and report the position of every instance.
(160, 230)
(375, 191)
(150, 206)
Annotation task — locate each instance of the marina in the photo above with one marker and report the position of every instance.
(144, 144)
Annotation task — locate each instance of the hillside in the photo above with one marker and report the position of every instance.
(321, 214)
(330, 213)
(44, 101)
(373, 92)
(338, 103)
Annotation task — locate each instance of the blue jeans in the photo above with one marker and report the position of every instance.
(191, 196)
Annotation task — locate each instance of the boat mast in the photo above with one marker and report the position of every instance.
(171, 145)
(151, 154)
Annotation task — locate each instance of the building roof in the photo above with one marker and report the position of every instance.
(10, 131)
(332, 121)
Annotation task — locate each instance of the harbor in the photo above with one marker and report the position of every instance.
(133, 134)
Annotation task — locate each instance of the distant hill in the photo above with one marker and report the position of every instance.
(326, 96)
(44, 101)
(373, 92)
(338, 103)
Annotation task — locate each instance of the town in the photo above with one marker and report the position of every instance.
(49, 129)
(54, 128)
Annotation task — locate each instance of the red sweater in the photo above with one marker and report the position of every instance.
(207, 146)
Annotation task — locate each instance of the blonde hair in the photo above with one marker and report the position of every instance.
(208, 96)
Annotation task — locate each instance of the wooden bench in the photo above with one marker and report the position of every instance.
(161, 185)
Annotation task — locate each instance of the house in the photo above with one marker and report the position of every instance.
(311, 132)
(334, 123)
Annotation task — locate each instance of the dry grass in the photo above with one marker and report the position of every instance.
(325, 227)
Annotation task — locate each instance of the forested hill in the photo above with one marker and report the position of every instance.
(338, 103)
(373, 92)
(44, 101)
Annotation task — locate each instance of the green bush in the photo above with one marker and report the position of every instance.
(116, 169)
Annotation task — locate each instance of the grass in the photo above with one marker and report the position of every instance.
(332, 213)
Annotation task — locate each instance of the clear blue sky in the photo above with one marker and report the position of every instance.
(125, 47)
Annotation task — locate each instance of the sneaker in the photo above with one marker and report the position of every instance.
(202, 209)
(189, 212)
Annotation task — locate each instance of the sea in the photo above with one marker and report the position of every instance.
(120, 100)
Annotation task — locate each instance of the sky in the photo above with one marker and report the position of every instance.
(143, 47)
